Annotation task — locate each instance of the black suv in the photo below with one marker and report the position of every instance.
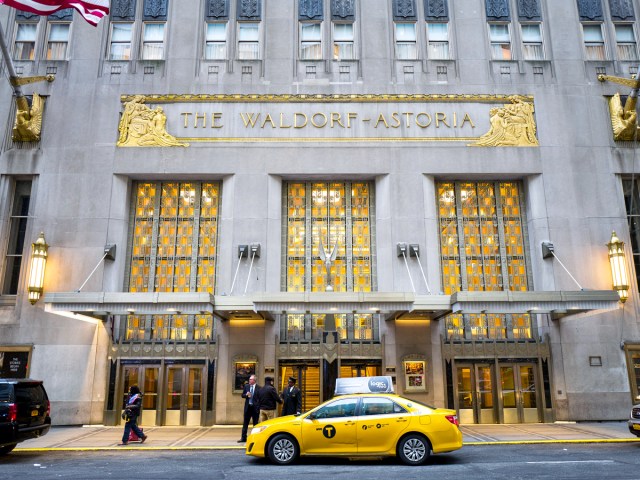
(24, 411)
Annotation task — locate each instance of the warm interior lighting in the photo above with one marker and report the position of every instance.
(618, 267)
(36, 272)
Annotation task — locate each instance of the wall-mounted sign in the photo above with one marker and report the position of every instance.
(14, 362)
(242, 372)
(414, 376)
(182, 120)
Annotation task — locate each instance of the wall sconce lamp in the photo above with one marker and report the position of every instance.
(36, 271)
(618, 267)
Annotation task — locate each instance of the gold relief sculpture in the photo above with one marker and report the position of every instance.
(141, 126)
(624, 119)
(28, 119)
(624, 122)
(511, 126)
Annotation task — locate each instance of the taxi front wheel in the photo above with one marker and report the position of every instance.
(414, 450)
(283, 449)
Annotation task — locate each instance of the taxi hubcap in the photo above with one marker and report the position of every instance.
(283, 450)
(414, 449)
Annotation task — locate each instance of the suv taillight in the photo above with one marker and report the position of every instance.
(48, 408)
(453, 419)
(13, 412)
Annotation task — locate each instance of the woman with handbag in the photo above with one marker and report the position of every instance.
(131, 413)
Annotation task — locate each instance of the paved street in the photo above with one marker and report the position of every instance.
(593, 461)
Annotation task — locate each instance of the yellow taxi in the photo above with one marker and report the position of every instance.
(367, 424)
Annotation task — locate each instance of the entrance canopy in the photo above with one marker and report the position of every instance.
(392, 306)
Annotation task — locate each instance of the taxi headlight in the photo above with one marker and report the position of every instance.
(258, 429)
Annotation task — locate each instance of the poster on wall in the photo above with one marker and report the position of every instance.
(242, 372)
(14, 364)
(414, 371)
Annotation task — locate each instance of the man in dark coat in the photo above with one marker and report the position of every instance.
(292, 398)
(251, 408)
(267, 399)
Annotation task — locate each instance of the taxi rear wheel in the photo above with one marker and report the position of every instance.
(283, 449)
(414, 450)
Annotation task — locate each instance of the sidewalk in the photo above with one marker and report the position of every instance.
(221, 437)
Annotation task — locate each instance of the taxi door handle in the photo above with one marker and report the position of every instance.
(401, 420)
(350, 422)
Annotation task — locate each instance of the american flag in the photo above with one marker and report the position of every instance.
(92, 11)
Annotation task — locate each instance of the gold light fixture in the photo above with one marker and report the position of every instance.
(618, 267)
(36, 272)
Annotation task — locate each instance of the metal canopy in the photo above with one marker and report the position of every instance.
(392, 306)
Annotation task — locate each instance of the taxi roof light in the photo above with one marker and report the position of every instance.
(379, 384)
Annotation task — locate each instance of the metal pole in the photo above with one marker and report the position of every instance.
(20, 98)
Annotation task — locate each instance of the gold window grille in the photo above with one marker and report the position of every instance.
(297, 327)
(325, 218)
(483, 248)
(482, 237)
(173, 249)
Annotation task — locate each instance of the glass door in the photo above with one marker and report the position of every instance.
(146, 377)
(519, 393)
(476, 394)
(308, 380)
(183, 395)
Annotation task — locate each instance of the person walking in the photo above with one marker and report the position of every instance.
(251, 409)
(267, 399)
(291, 398)
(131, 413)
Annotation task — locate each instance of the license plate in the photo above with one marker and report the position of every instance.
(636, 426)
(34, 413)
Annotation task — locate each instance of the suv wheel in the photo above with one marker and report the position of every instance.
(7, 448)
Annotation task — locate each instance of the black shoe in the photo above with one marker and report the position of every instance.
(242, 440)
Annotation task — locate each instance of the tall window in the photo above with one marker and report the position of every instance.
(626, 42)
(25, 44)
(173, 249)
(532, 42)
(120, 41)
(328, 237)
(153, 41)
(594, 42)
(500, 40)
(631, 188)
(216, 41)
(310, 41)
(483, 248)
(248, 41)
(17, 230)
(406, 43)
(58, 41)
(482, 237)
(343, 41)
(438, 41)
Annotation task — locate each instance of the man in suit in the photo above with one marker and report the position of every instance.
(292, 398)
(251, 409)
